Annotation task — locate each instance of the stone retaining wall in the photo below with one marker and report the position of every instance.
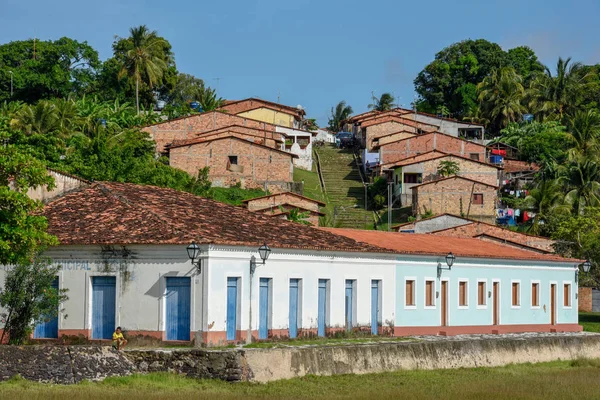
(72, 364)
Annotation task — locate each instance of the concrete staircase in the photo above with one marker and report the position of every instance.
(344, 188)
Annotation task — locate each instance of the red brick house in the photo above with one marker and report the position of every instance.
(402, 148)
(164, 133)
(235, 159)
(259, 108)
(270, 205)
(456, 195)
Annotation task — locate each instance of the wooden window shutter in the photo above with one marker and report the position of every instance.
(429, 293)
(534, 295)
(515, 294)
(567, 298)
(462, 293)
(410, 293)
(481, 293)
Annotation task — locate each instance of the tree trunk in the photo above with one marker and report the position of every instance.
(137, 95)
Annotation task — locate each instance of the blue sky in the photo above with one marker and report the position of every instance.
(310, 52)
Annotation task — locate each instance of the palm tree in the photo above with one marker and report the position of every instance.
(584, 132)
(38, 119)
(384, 103)
(544, 199)
(581, 180)
(341, 113)
(145, 59)
(501, 94)
(554, 96)
(208, 99)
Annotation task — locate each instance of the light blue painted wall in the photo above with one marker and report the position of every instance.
(472, 314)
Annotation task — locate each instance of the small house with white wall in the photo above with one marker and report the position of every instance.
(176, 267)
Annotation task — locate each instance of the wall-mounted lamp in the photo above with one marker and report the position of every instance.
(449, 262)
(194, 251)
(587, 265)
(263, 251)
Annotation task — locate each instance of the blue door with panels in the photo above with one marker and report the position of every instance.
(349, 308)
(104, 291)
(232, 295)
(48, 329)
(294, 300)
(178, 307)
(375, 307)
(322, 311)
(264, 308)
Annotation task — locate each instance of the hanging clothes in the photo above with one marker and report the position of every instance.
(517, 212)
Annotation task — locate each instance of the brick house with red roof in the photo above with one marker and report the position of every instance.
(234, 158)
(124, 259)
(279, 204)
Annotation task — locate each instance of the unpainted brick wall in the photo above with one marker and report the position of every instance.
(585, 299)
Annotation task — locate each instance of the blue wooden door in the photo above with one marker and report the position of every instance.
(48, 329)
(293, 331)
(232, 294)
(375, 307)
(322, 312)
(263, 313)
(178, 309)
(103, 306)
(349, 304)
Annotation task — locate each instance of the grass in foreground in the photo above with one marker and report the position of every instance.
(555, 380)
(590, 321)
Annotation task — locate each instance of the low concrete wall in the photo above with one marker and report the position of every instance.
(72, 364)
(273, 364)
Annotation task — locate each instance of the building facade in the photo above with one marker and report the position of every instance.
(124, 260)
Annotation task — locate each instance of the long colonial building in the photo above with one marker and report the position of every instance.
(124, 260)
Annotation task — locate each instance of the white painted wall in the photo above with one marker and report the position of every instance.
(304, 159)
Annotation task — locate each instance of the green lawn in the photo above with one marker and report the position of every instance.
(555, 380)
(590, 321)
(312, 186)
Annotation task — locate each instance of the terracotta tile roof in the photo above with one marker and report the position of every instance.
(235, 136)
(369, 114)
(376, 120)
(433, 217)
(474, 221)
(431, 245)
(440, 118)
(286, 209)
(499, 239)
(518, 166)
(286, 193)
(424, 137)
(269, 104)
(205, 115)
(453, 177)
(123, 213)
(236, 127)
(432, 155)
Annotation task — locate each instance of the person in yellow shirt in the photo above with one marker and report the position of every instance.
(118, 340)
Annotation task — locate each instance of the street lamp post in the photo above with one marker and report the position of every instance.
(450, 258)
(263, 251)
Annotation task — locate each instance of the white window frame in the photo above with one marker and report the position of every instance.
(483, 306)
(570, 306)
(519, 297)
(459, 281)
(539, 283)
(415, 293)
(433, 291)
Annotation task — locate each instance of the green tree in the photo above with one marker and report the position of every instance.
(46, 69)
(554, 96)
(144, 58)
(501, 94)
(384, 103)
(524, 61)
(29, 298)
(209, 101)
(581, 180)
(295, 215)
(451, 79)
(584, 132)
(448, 168)
(546, 199)
(187, 89)
(341, 113)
